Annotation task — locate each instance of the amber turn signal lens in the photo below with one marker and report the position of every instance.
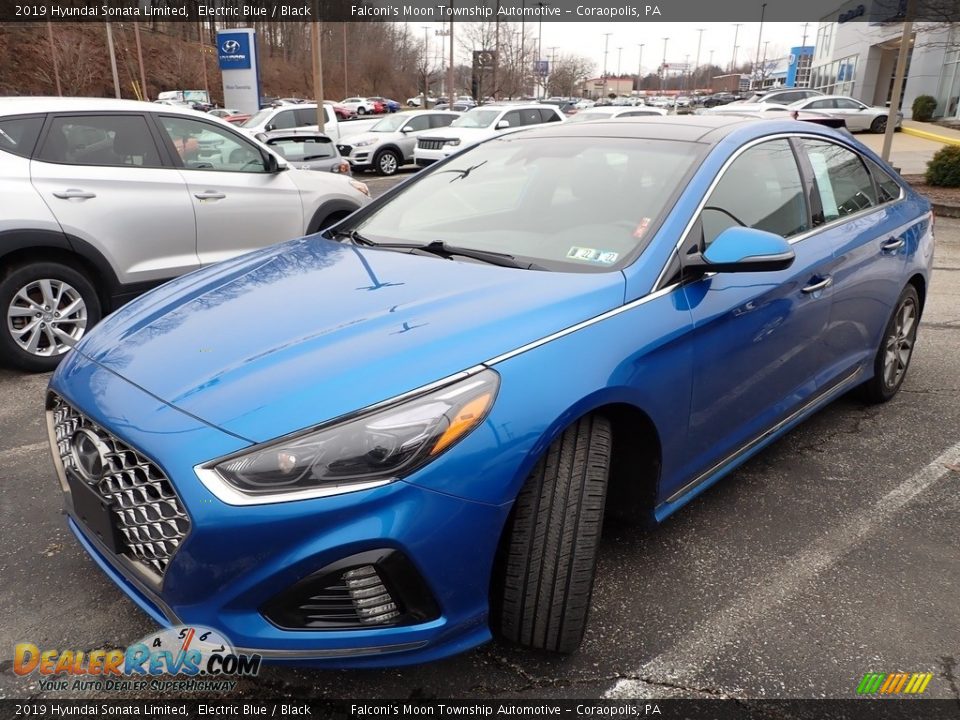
(465, 419)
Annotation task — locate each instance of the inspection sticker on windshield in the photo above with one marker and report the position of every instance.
(604, 257)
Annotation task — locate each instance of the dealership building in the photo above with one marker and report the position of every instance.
(856, 54)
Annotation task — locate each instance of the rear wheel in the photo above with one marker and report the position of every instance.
(893, 356)
(550, 547)
(878, 125)
(361, 110)
(46, 308)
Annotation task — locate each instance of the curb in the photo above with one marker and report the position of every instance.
(926, 135)
(950, 211)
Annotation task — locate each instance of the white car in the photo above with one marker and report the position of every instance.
(610, 113)
(303, 117)
(359, 105)
(856, 115)
(480, 124)
(104, 199)
(391, 142)
(584, 104)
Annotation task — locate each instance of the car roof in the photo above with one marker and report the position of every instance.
(709, 129)
(831, 97)
(21, 104)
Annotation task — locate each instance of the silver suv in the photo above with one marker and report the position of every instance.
(104, 199)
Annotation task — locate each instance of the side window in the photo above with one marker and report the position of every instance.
(887, 187)
(203, 146)
(762, 189)
(513, 117)
(822, 105)
(109, 140)
(442, 120)
(421, 122)
(18, 135)
(306, 116)
(548, 115)
(284, 120)
(531, 116)
(843, 182)
(844, 104)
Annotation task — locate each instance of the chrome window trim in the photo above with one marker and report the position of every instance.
(796, 238)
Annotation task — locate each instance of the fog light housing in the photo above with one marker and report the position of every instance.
(378, 588)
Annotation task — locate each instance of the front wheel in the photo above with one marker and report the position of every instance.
(361, 110)
(387, 162)
(550, 547)
(879, 125)
(896, 349)
(46, 308)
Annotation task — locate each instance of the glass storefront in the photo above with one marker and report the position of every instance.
(948, 94)
(835, 78)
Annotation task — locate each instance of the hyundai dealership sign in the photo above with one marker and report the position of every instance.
(237, 53)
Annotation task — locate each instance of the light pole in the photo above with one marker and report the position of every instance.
(619, 57)
(733, 61)
(606, 47)
(450, 81)
(696, 64)
(640, 69)
(113, 61)
(426, 64)
(663, 66)
(686, 62)
(540, 75)
(763, 10)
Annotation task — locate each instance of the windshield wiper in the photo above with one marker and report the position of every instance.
(442, 249)
(354, 236)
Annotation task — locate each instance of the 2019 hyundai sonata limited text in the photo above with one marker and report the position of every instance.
(384, 444)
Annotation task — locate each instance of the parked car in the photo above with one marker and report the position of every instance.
(615, 112)
(359, 105)
(480, 124)
(106, 198)
(304, 116)
(341, 111)
(784, 96)
(417, 100)
(391, 142)
(720, 98)
(224, 113)
(548, 324)
(390, 105)
(458, 107)
(584, 103)
(238, 119)
(307, 150)
(856, 115)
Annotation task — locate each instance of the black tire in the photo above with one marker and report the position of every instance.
(387, 162)
(361, 110)
(879, 125)
(884, 384)
(21, 277)
(550, 546)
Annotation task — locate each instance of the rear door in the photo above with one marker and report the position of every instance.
(108, 182)
(854, 114)
(858, 217)
(239, 205)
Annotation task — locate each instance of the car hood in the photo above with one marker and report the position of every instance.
(376, 137)
(302, 332)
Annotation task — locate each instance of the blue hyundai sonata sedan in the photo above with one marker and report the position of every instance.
(385, 443)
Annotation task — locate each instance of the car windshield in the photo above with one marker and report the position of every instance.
(570, 204)
(476, 119)
(259, 118)
(391, 123)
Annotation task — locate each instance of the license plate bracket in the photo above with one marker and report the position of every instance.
(95, 513)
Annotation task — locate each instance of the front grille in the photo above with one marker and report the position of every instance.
(430, 143)
(148, 511)
(345, 150)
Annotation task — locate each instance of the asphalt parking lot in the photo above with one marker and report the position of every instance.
(831, 554)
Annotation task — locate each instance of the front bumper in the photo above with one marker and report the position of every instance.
(236, 559)
(428, 157)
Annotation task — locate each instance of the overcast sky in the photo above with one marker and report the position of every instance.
(587, 39)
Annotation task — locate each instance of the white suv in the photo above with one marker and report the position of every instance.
(104, 199)
(480, 124)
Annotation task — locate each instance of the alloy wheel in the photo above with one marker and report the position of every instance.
(387, 163)
(47, 317)
(899, 343)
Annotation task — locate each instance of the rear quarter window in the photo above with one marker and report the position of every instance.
(18, 135)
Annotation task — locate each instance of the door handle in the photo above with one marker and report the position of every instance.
(209, 195)
(74, 194)
(825, 283)
(892, 245)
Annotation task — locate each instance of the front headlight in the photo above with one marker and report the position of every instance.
(452, 141)
(357, 453)
(365, 143)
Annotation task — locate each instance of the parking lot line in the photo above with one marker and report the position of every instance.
(678, 665)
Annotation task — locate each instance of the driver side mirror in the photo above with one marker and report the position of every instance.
(270, 126)
(406, 129)
(503, 124)
(273, 164)
(742, 249)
